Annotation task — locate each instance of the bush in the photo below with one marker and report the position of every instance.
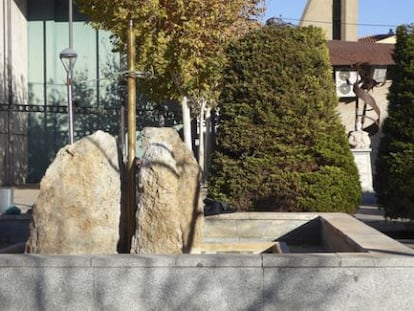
(280, 144)
(394, 179)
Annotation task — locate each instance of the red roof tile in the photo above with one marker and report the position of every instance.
(350, 52)
(375, 38)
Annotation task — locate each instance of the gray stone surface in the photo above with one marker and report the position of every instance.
(339, 232)
(39, 261)
(46, 288)
(380, 279)
(216, 229)
(338, 289)
(125, 288)
(133, 261)
(220, 289)
(211, 282)
(266, 229)
(301, 260)
(178, 289)
(211, 261)
(314, 289)
(368, 239)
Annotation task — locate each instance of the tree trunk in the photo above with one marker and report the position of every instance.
(202, 131)
(186, 123)
(208, 140)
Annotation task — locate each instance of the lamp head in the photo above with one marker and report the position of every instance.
(68, 58)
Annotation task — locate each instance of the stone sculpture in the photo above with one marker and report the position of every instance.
(79, 205)
(359, 139)
(169, 215)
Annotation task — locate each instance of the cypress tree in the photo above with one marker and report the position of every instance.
(280, 144)
(394, 179)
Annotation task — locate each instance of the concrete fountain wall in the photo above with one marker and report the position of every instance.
(377, 275)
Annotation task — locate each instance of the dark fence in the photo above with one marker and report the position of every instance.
(44, 128)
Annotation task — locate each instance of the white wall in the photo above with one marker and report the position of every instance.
(13, 90)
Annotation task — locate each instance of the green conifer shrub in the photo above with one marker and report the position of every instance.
(280, 144)
(394, 178)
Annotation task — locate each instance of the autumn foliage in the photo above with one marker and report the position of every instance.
(181, 41)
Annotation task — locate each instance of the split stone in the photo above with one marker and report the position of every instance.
(79, 205)
(169, 217)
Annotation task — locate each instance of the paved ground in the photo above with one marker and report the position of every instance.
(369, 212)
(25, 196)
(401, 230)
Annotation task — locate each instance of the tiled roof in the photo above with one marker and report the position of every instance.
(350, 52)
(379, 37)
(372, 39)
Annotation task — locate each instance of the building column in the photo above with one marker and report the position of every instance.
(13, 91)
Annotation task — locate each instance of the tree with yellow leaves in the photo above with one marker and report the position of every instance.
(181, 41)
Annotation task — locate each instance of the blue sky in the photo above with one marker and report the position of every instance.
(385, 13)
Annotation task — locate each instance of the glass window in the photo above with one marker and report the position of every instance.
(94, 81)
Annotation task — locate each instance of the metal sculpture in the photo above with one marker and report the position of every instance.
(361, 88)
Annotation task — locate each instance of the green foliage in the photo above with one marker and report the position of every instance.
(180, 41)
(280, 144)
(394, 179)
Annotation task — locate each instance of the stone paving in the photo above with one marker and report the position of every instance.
(26, 195)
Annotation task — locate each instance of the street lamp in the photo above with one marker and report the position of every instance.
(68, 58)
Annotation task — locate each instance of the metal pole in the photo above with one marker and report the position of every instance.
(131, 136)
(356, 113)
(69, 77)
(70, 109)
(70, 24)
(8, 90)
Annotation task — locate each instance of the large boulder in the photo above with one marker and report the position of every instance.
(79, 205)
(169, 217)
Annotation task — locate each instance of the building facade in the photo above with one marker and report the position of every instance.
(13, 90)
(33, 96)
(338, 18)
(33, 91)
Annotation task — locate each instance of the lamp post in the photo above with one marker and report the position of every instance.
(68, 57)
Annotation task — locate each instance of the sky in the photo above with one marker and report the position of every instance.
(375, 16)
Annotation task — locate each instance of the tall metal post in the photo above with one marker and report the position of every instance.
(131, 188)
(70, 107)
(70, 24)
(69, 76)
(68, 57)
